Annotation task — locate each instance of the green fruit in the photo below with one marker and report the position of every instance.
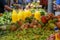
(41, 23)
(51, 25)
(42, 13)
(55, 20)
(50, 21)
(32, 10)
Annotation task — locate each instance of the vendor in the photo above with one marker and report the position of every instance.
(57, 8)
(3, 5)
(58, 4)
(44, 3)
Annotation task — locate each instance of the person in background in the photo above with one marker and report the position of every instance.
(54, 6)
(58, 4)
(20, 1)
(25, 2)
(44, 3)
(57, 8)
(34, 0)
(15, 1)
(4, 6)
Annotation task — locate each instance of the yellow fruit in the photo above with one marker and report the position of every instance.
(23, 16)
(56, 37)
(14, 16)
(37, 15)
(20, 15)
(27, 13)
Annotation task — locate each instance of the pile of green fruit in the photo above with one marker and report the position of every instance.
(5, 19)
(33, 30)
(29, 34)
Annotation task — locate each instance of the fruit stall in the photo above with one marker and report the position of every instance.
(29, 24)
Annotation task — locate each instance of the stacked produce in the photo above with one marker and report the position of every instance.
(29, 34)
(30, 18)
(28, 23)
(5, 18)
(27, 19)
(56, 35)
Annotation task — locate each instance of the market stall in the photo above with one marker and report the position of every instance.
(31, 23)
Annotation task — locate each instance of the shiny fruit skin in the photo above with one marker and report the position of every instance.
(43, 19)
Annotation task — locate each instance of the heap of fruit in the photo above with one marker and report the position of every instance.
(5, 18)
(55, 36)
(28, 23)
(29, 34)
(25, 19)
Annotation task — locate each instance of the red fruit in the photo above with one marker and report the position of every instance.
(43, 19)
(58, 24)
(19, 23)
